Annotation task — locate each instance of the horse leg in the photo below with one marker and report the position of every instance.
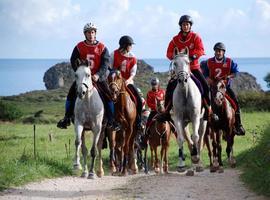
(162, 155)
(207, 143)
(93, 151)
(132, 159)
(152, 157)
(100, 171)
(195, 157)
(84, 153)
(126, 151)
(78, 141)
(219, 151)
(180, 142)
(145, 160)
(157, 170)
(112, 144)
(229, 150)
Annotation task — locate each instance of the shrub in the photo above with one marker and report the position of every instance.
(254, 101)
(9, 111)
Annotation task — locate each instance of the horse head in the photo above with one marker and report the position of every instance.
(160, 105)
(116, 84)
(83, 78)
(180, 66)
(218, 90)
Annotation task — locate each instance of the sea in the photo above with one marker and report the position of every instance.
(23, 75)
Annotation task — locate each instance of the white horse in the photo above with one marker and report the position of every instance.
(89, 112)
(187, 107)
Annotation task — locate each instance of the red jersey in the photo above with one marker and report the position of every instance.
(219, 70)
(151, 98)
(92, 53)
(194, 44)
(123, 63)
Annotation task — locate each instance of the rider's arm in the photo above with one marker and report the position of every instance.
(170, 50)
(74, 56)
(105, 62)
(199, 48)
(234, 70)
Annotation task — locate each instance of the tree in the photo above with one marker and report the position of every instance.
(267, 79)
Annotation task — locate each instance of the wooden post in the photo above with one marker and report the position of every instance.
(35, 141)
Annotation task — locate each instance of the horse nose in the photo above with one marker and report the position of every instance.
(83, 93)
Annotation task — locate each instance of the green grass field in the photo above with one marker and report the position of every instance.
(18, 165)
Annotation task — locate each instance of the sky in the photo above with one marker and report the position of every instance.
(51, 28)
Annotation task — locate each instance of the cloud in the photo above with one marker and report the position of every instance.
(43, 18)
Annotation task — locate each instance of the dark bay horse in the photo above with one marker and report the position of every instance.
(158, 133)
(225, 125)
(122, 142)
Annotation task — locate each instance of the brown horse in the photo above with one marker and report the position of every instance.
(158, 133)
(225, 125)
(122, 142)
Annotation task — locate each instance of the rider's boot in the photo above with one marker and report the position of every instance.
(239, 129)
(63, 123)
(112, 123)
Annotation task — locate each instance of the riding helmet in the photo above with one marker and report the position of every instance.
(154, 81)
(126, 40)
(220, 46)
(89, 26)
(185, 18)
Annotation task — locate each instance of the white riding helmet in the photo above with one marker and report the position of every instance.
(154, 81)
(89, 26)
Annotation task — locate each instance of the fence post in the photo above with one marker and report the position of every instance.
(34, 141)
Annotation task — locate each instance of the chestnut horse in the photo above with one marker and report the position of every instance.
(122, 142)
(225, 125)
(158, 133)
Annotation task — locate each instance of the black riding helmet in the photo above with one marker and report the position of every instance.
(125, 41)
(185, 18)
(220, 46)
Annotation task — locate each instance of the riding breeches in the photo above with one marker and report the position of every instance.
(206, 92)
(169, 94)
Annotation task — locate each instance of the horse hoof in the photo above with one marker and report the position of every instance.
(84, 174)
(220, 170)
(213, 169)
(181, 169)
(190, 173)
(233, 165)
(100, 173)
(199, 169)
(195, 159)
(91, 176)
(77, 167)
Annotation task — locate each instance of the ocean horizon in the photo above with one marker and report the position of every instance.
(22, 75)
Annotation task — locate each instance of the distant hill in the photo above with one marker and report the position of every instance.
(61, 75)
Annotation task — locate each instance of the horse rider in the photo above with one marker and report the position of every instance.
(218, 67)
(156, 92)
(124, 60)
(98, 57)
(186, 38)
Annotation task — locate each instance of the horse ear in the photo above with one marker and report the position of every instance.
(175, 51)
(118, 73)
(187, 51)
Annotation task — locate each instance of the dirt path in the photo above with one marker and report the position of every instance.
(171, 186)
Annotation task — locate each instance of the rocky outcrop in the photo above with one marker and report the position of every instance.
(62, 75)
(59, 75)
(245, 82)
